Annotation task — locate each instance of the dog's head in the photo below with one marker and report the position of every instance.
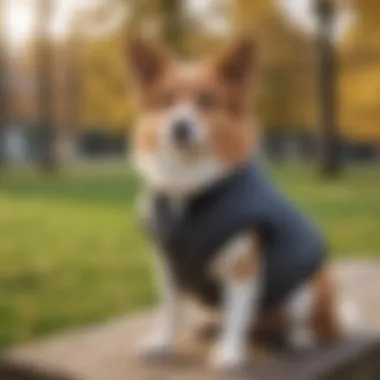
(194, 120)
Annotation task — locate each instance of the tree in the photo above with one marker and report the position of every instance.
(250, 15)
(104, 77)
(172, 25)
(359, 77)
(287, 93)
(3, 84)
(330, 141)
(288, 97)
(47, 133)
(105, 104)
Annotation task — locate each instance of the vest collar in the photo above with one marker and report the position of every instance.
(196, 201)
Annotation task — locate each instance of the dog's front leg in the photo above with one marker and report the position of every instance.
(160, 341)
(238, 270)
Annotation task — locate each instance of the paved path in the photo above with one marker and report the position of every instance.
(106, 352)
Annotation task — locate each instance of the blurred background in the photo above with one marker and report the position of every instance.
(70, 252)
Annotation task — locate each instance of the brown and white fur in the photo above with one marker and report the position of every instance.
(211, 100)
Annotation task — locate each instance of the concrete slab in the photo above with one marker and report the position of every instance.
(107, 352)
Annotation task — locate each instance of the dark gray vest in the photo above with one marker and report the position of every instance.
(292, 248)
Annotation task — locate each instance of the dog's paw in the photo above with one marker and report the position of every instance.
(156, 347)
(228, 359)
(302, 339)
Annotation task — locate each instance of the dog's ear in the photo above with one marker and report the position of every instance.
(147, 60)
(236, 65)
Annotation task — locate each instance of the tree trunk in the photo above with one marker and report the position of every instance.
(47, 133)
(171, 20)
(72, 94)
(4, 104)
(173, 24)
(330, 141)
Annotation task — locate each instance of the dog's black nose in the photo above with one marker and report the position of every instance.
(181, 131)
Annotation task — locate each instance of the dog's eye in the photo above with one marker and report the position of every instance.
(166, 99)
(206, 100)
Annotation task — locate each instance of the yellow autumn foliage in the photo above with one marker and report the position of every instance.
(104, 85)
(289, 84)
(359, 75)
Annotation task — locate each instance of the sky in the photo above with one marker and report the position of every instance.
(301, 13)
(20, 19)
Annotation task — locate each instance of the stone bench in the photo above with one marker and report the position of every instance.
(107, 352)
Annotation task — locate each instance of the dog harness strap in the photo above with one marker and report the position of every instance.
(292, 247)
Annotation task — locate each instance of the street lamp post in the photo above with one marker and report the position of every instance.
(330, 141)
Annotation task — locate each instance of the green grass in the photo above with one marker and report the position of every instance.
(70, 251)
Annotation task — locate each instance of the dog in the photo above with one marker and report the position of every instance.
(193, 146)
